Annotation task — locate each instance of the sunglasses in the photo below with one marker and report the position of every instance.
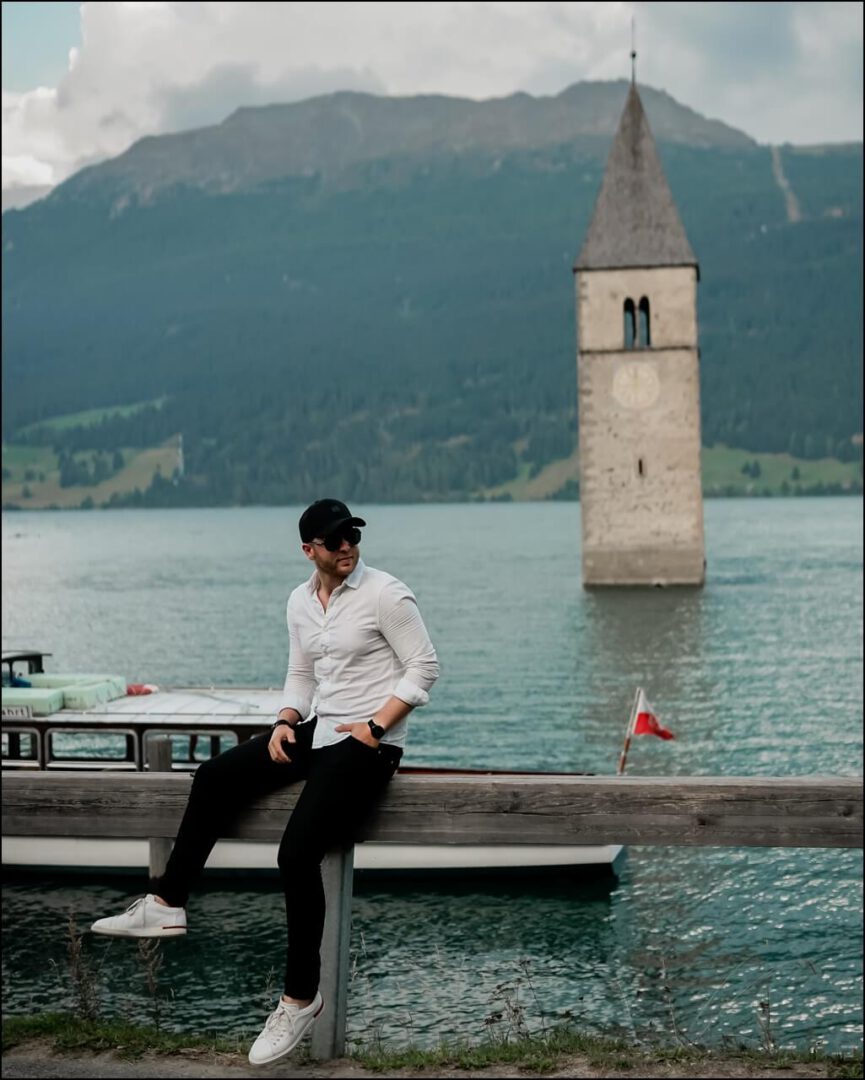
(334, 541)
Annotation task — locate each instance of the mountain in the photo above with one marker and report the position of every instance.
(374, 296)
(21, 195)
(326, 135)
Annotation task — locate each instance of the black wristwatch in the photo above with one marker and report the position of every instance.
(273, 727)
(376, 729)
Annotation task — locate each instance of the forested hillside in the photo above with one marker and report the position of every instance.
(403, 327)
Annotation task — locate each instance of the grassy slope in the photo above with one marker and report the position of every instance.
(722, 472)
(722, 475)
(137, 473)
(722, 467)
(88, 417)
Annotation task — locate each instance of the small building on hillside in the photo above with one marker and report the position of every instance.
(638, 376)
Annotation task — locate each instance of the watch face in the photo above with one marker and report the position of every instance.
(636, 385)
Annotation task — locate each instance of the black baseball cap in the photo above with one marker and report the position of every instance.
(323, 517)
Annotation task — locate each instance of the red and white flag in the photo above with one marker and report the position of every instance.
(646, 722)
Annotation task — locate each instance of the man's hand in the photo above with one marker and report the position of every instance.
(281, 735)
(359, 731)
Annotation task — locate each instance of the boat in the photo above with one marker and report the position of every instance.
(99, 722)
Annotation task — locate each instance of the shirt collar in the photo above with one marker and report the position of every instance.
(353, 580)
(356, 576)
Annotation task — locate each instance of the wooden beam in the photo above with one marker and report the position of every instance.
(809, 811)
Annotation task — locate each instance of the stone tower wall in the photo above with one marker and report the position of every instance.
(672, 295)
(639, 412)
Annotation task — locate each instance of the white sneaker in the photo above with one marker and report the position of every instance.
(285, 1027)
(145, 918)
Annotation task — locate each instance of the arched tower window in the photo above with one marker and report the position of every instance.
(630, 325)
(645, 329)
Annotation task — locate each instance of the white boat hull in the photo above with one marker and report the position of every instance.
(122, 856)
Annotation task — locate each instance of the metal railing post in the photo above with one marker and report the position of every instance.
(328, 1034)
(158, 753)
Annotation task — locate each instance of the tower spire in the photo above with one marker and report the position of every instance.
(635, 221)
(633, 56)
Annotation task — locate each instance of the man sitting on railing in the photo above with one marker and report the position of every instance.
(360, 659)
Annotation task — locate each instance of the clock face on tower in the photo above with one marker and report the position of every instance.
(636, 385)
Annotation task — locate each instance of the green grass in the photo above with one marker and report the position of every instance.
(39, 463)
(19, 458)
(543, 1053)
(69, 1033)
(722, 475)
(779, 474)
(88, 417)
(531, 1053)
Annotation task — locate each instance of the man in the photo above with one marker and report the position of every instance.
(360, 660)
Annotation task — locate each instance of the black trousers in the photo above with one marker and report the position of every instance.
(344, 782)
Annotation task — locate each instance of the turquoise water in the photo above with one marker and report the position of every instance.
(759, 673)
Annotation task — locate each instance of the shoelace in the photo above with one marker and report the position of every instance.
(275, 1021)
(134, 905)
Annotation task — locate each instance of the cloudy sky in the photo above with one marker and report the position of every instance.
(81, 82)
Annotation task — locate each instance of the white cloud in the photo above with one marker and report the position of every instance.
(24, 170)
(779, 71)
(782, 72)
(31, 144)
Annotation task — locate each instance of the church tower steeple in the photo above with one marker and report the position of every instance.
(638, 375)
(635, 221)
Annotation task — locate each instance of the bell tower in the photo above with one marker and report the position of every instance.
(638, 375)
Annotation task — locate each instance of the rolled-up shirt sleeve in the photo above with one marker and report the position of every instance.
(402, 626)
(299, 689)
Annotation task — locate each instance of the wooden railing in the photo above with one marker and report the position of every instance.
(702, 810)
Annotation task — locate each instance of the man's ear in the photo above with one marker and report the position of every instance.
(307, 550)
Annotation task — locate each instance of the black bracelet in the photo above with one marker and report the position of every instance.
(273, 727)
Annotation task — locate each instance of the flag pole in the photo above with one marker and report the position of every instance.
(628, 734)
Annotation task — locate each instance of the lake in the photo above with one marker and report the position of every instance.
(758, 673)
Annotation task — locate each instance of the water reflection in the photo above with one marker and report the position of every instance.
(706, 935)
(416, 947)
(535, 943)
(654, 638)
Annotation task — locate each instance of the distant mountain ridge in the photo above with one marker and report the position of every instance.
(374, 296)
(20, 195)
(329, 134)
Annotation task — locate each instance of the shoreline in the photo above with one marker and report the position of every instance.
(17, 508)
(64, 1045)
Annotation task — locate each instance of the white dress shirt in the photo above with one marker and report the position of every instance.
(369, 645)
